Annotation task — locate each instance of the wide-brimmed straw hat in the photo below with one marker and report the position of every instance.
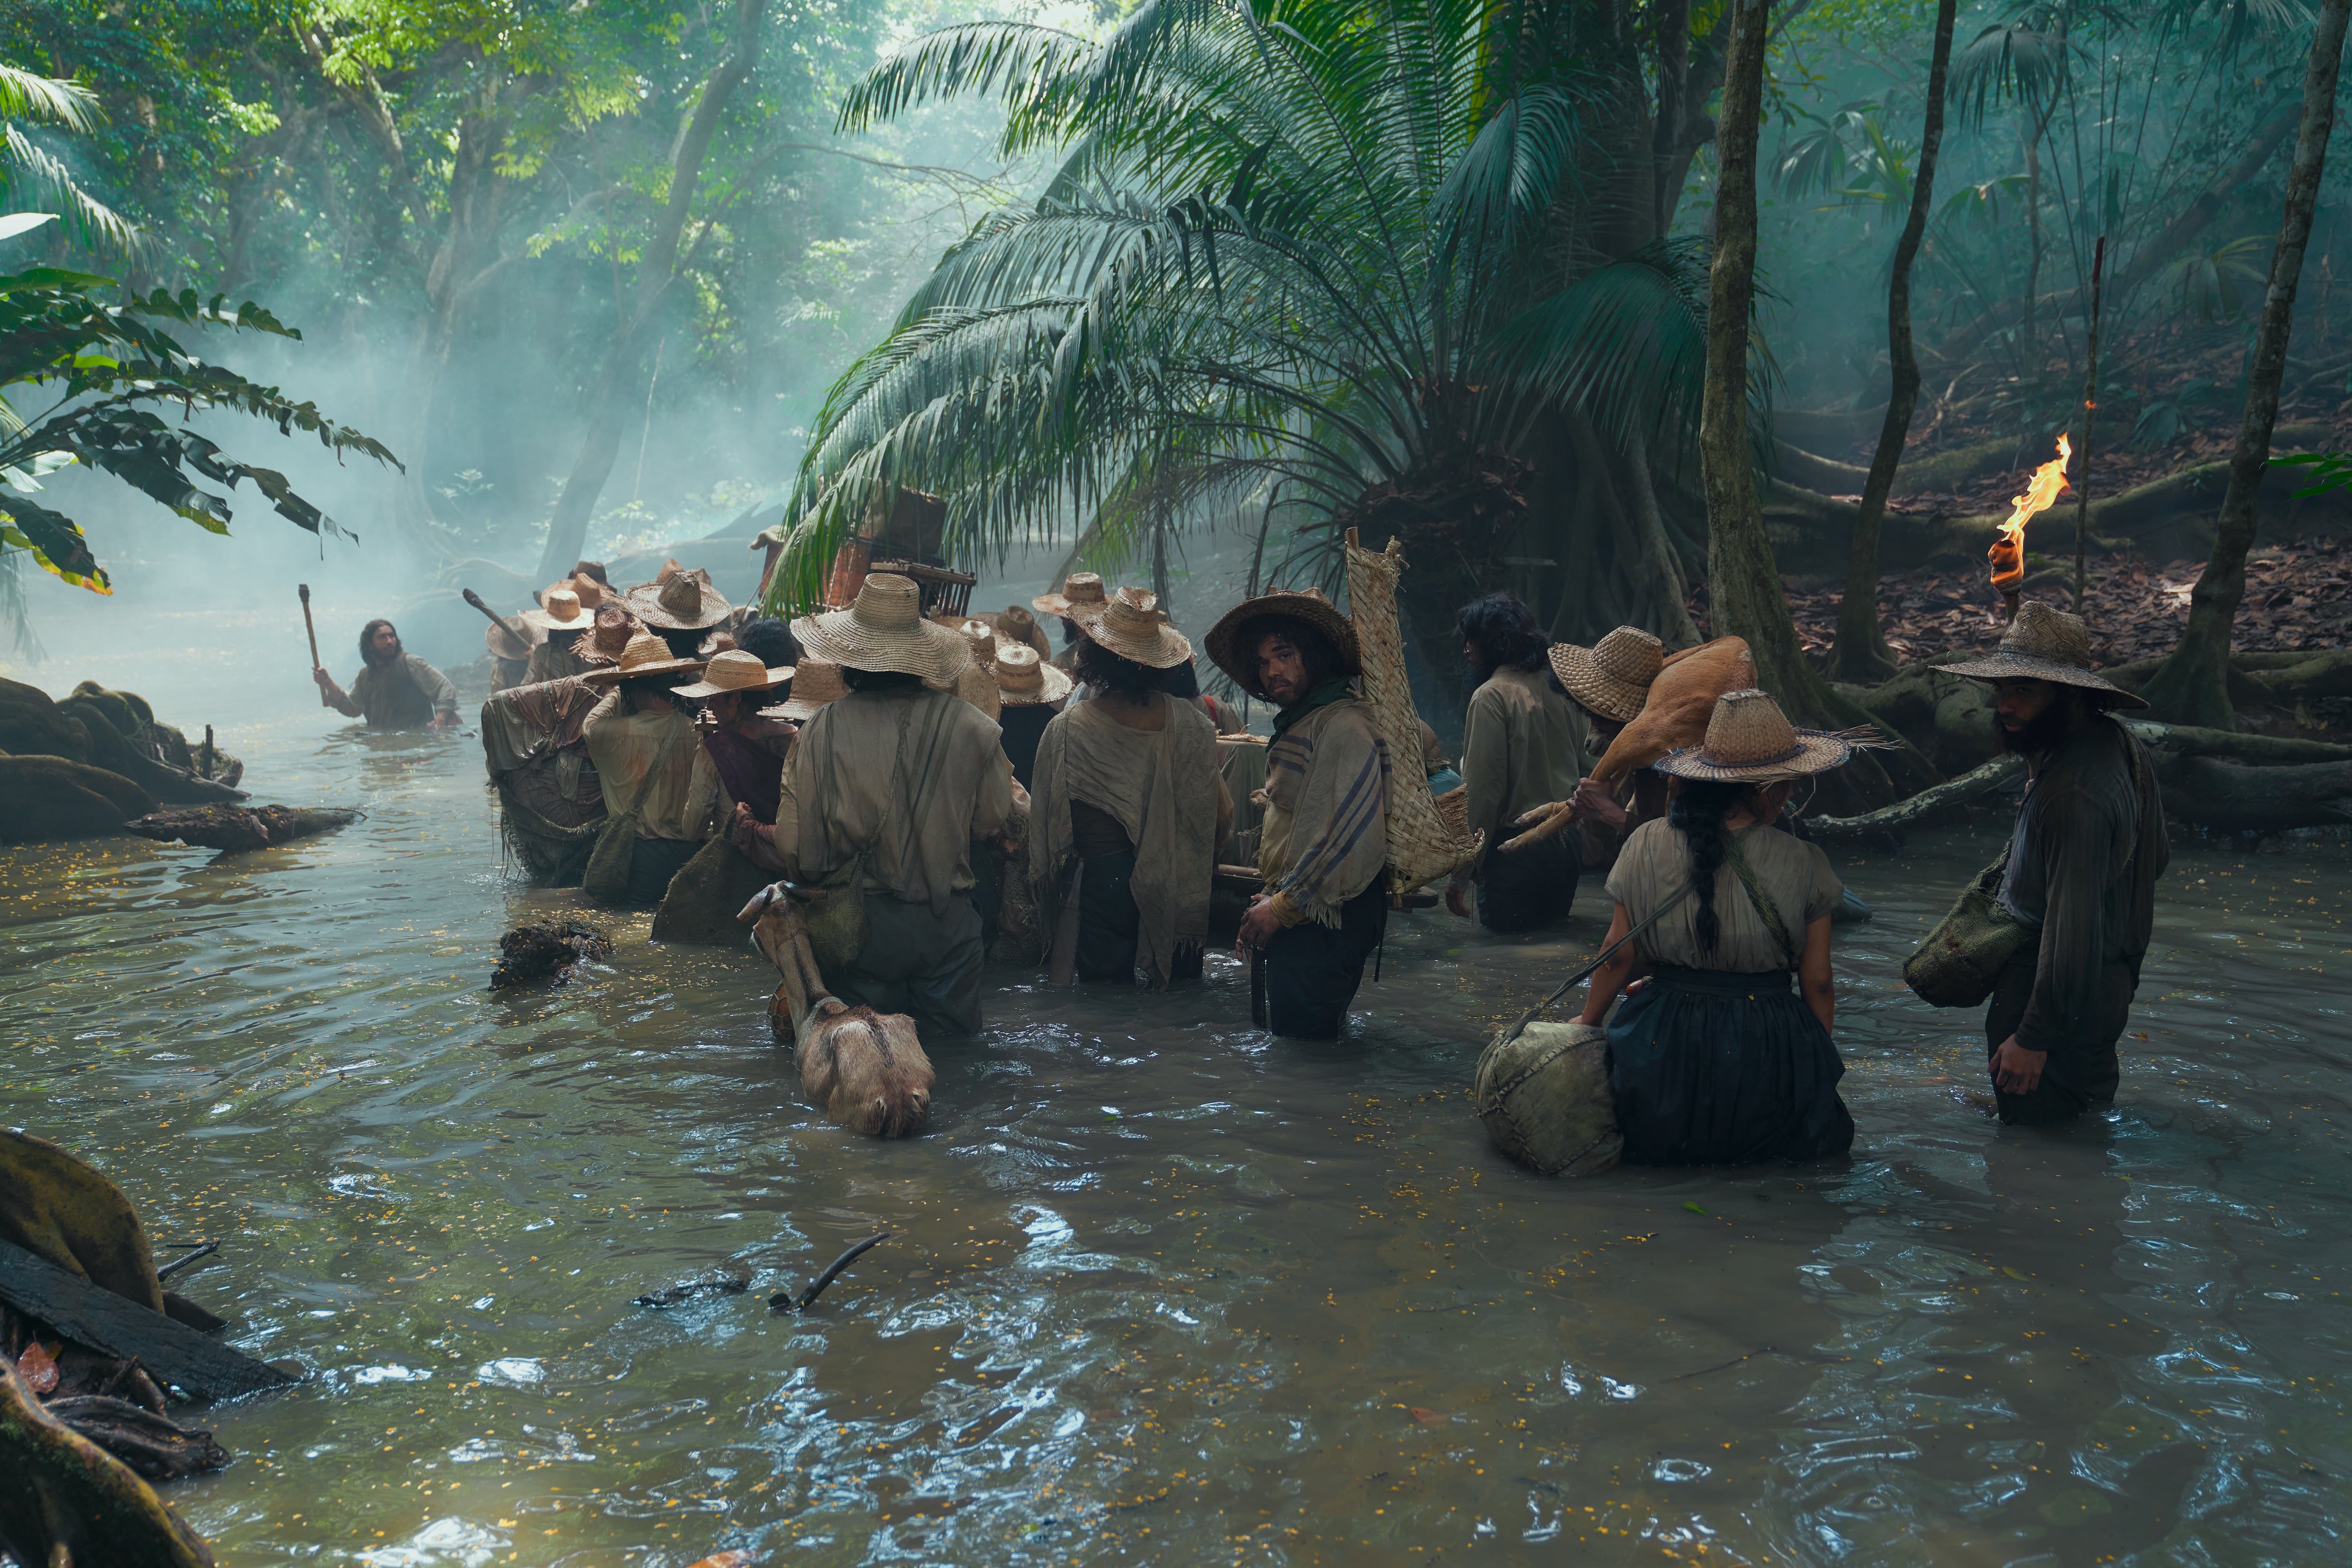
(1749, 739)
(815, 682)
(1129, 624)
(1023, 680)
(2045, 643)
(645, 655)
(982, 636)
(562, 609)
(732, 670)
(680, 601)
(615, 627)
(1612, 677)
(510, 638)
(1079, 588)
(1310, 607)
(884, 629)
(1020, 626)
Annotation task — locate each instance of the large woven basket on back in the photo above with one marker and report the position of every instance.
(1422, 846)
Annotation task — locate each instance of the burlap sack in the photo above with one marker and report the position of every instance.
(1544, 1096)
(705, 896)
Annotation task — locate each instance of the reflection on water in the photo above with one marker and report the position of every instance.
(1164, 1290)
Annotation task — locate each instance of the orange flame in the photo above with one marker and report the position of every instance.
(2008, 551)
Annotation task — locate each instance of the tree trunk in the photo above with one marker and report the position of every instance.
(2191, 686)
(1861, 652)
(567, 531)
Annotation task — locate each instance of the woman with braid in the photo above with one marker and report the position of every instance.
(1722, 1056)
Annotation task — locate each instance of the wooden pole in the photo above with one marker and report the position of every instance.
(2089, 416)
(311, 626)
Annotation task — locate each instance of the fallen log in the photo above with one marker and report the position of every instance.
(2233, 798)
(157, 1447)
(234, 830)
(1888, 821)
(67, 1501)
(94, 1316)
(2257, 750)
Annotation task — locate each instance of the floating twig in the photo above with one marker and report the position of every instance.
(725, 1284)
(201, 1250)
(785, 1300)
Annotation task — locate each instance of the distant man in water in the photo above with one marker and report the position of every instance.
(1324, 840)
(2083, 862)
(394, 689)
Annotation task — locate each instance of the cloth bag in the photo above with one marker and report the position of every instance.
(606, 880)
(1962, 958)
(1545, 1097)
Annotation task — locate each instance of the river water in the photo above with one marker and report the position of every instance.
(1160, 1288)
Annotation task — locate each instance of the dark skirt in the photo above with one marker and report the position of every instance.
(1717, 1068)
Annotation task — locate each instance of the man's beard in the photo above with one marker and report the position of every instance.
(385, 657)
(2045, 731)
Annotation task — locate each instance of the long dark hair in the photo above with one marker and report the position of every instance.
(1115, 673)
(1696, 810)
(1316, 651)
(1504, 631)
(367, 641)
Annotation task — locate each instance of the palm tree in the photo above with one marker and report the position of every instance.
(30, 175)
(1331, 260)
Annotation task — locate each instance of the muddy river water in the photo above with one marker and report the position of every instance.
(1164, 1290)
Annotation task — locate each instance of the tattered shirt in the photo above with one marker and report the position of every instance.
(404, 693)
(1324, 836)
(684, 797)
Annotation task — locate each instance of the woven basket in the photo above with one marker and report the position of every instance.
(1545, 1097)
(1423, 847)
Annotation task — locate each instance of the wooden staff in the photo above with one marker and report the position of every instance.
(310, 626)
(497, 620)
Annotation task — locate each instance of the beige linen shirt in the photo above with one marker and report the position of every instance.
(1519, 751)
(1795, 875)
(684, 799)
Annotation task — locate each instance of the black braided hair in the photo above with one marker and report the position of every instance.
(1114, 673)
(1696, 810)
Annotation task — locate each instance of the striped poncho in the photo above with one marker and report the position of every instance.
(1326, 834)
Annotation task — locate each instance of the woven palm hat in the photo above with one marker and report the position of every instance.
(1310, 607)
(679, 601)
(1023, 680)
(645, 655)
(2045, 643)
(1132, 625)
(732, 670)
(1612, 677)
(984, 636)
(1021, 627)
(562, 609)
(510, 638)
(884, 629)
(610, 639)
(1079, 588)
(1749, 739)
(976, 684)
(815, 682)
(594, 595)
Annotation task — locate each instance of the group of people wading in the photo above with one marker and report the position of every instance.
(952, 788)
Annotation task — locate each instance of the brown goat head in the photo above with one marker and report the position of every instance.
(866, 1068)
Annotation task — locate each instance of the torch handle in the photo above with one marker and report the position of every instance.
(311, 626)
(476, 600)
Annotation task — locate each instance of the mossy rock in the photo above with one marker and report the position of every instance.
(31, 723)
(46, 798)
(128, 721)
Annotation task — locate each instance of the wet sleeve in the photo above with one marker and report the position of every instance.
(1340, 829)
(352, 705)
(2076, 850)
(435, 685)
(1486, 765)
(704, 794)
(1823, 892)
(1625, 880)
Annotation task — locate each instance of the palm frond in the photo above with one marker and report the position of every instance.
(28, 95)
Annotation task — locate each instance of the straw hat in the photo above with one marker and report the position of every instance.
(1309, 606)
(610, 639)
(1023, 680)
(1750, 741)
(1020, 626)
(645, 655)
(977, 685)
(562, 609)
(815, 682)
(594, 595)
(732, 670)
(2045, 644)
(885, 630)
(1612, 677)
(982, 636)
(510, 638)
(1131, 625)
(679, 601)
(1079, 588)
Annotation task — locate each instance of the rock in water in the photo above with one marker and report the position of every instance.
(45, 797)
(547, 951)
(231, 828)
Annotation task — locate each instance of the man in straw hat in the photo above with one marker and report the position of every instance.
(747, 751)
(1324, 839)
(2083, 861)
(1080, 590)
(1029, 693)
(647, 760)
(1718, 1060)
(1519, 751)
(679, 606)
(1126, 808)
(565, 614)
(887, 788)
(1608, 682)
(395, 689)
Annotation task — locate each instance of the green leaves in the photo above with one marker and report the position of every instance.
(55, 540)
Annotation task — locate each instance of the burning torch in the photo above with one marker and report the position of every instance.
(2008, 551)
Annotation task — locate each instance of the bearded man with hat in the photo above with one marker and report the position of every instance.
(884, 791)
(2079, 875)
(1323, 844)
(647, 762)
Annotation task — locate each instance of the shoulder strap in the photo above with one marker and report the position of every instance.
(1606, 954)
(1757, 895)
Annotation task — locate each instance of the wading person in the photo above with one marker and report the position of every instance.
(565, 617)
(1610, 682)
(681, 607)
(1079, 589)
(394, 689)
(1518, 752)
(1029, 693)
(746, 750)
(2080, 870)
(1717, 1060)
(648, 765)
(1323, 843)
(885, 790)
(1126, 808)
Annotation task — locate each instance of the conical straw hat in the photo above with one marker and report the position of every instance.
(1612, 677)
(1131, 625)
(816, 683)
(679, 601)
(2045, 643)
(1750, 741)
(1079, 588)
(885, 630)
(645, 655)
(735, 670)
(1023, 680)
